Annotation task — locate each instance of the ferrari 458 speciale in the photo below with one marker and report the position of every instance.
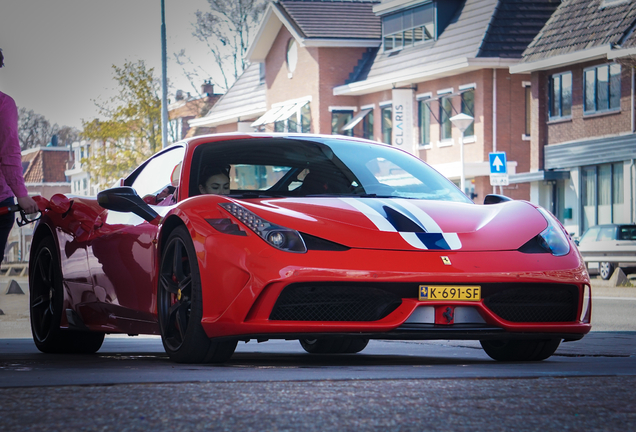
(328, 240)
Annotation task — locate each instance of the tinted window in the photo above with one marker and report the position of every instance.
(627, 233)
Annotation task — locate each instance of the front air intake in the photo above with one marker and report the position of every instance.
(535, 303)
(333, 302)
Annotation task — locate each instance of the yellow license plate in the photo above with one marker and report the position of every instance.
(450, 292)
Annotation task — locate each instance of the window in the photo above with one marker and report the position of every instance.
(445, 113)
(528, 128)
(561, 95)
(305, 118)
(156, 174)
(175, 128)
(602, 194)
(338, 120)
(293, 118)
(468, 108)
(424, 121)
(408, 27)
(367, 126)
(387, 124)
(602, 88)
(261, 73)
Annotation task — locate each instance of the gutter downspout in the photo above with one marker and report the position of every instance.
(633, 113)
(632, 170)
(494, 118)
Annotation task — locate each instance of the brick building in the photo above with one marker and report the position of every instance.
(187, 107)
(583, 138)
(395, 71)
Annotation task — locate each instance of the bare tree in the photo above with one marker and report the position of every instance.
(34, 130)
(225, 29)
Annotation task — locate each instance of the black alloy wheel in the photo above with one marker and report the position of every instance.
(180, 305)
(46, 301)
(520, 350)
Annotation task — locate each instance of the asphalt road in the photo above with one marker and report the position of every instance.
(434, 385)
(130, 384)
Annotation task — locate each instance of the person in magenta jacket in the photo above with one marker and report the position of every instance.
(11, 179)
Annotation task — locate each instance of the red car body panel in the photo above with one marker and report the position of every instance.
(110, 260)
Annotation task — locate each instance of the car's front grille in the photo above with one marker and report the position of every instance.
(534, 302)
(332, 302)
(515, 302)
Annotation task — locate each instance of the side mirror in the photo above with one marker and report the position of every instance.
(496, 199)
(124, 199)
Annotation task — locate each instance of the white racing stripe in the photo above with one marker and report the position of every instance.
(378, 220)
(408, 210)
(428, 222)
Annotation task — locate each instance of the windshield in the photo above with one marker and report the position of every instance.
(320, 166)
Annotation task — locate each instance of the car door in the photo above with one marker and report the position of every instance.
(122, 259)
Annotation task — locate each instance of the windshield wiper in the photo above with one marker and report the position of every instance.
(260, 195)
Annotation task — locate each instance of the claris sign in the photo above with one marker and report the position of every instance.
(402, 138)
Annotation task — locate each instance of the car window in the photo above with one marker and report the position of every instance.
(627, 233)
(156, 173)
(606, 233)
(314, 166)
(590, 235)
(257, 177)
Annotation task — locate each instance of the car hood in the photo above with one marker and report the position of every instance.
(405, 224)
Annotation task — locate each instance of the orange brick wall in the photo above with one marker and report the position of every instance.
(317, 72)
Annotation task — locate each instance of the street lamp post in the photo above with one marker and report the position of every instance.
(462, 122)
(164, 79)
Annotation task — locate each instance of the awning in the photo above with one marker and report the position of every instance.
(356, 119)
(269, 116)
(278, 113)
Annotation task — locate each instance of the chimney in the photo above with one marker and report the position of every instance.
(207, 88)
(179, 95)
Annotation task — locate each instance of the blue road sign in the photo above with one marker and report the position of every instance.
(498, 163)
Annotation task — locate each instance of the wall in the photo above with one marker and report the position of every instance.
(595, 125)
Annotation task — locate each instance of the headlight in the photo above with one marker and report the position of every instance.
(553, 239)
(280, 237)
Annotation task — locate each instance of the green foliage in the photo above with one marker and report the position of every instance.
(131, 131)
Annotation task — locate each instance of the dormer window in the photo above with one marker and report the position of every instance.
(408, 27)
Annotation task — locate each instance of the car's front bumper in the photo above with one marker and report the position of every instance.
(249, 297)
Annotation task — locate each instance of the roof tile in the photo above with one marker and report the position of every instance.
(339, 19)
(577, 25)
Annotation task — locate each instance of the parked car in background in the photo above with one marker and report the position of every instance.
(607, 247)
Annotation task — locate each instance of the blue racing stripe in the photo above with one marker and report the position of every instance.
(433, 240)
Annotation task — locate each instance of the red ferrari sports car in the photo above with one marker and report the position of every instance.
(328, 240)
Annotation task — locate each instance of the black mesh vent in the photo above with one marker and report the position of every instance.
(535, 303)
(333, 303)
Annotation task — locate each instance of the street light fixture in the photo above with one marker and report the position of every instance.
(462, 122)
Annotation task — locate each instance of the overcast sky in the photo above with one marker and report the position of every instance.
(58, 53)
